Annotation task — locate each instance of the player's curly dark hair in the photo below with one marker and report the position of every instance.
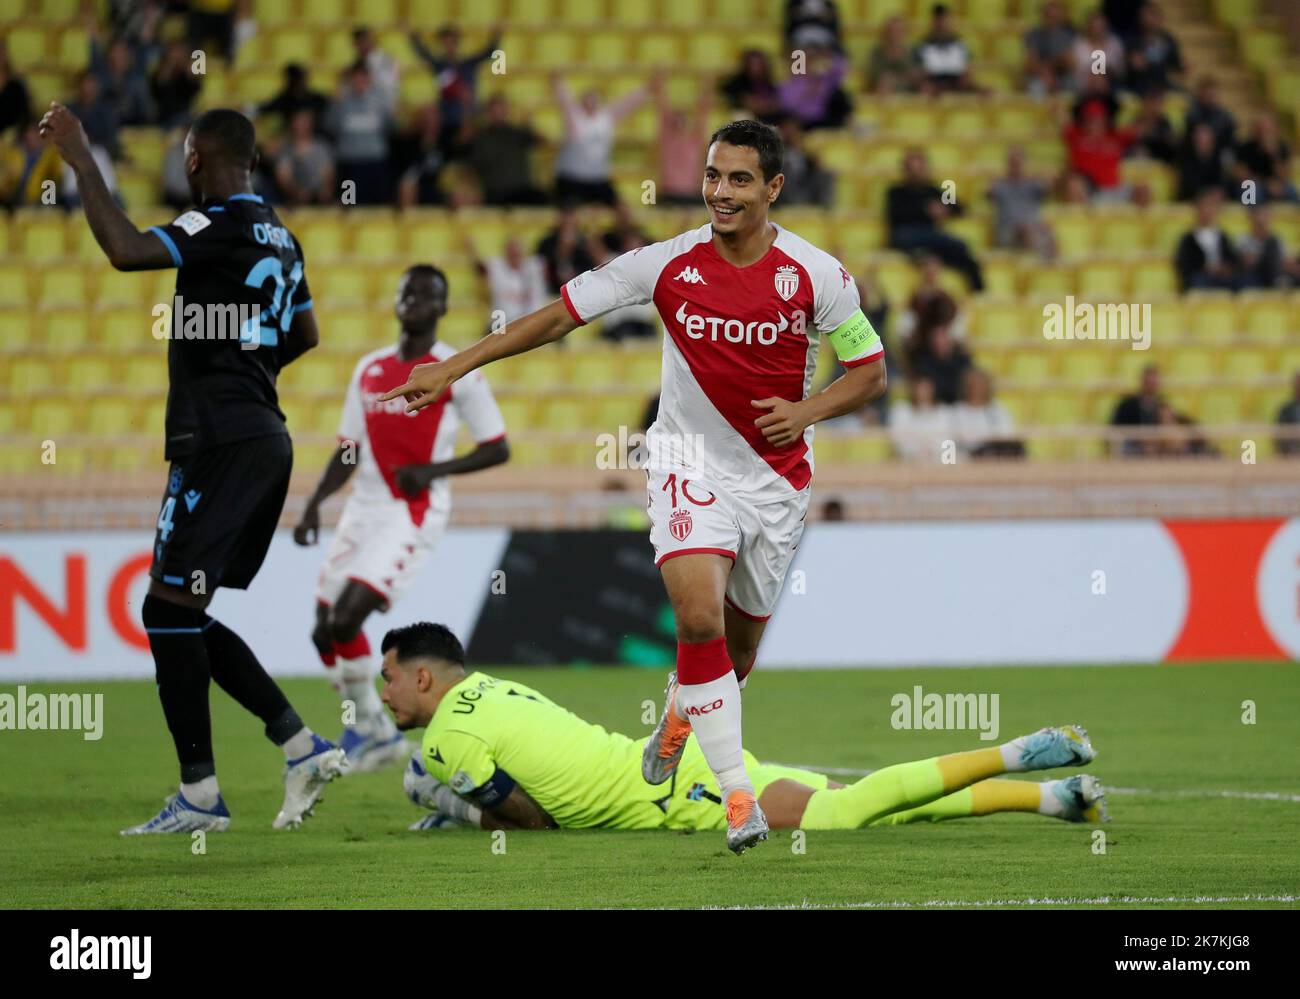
(226, 134)
(424, 639)
(763, 139)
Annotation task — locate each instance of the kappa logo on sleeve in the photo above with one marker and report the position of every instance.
(192, 222)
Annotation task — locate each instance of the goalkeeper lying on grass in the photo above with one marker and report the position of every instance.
(499, 755)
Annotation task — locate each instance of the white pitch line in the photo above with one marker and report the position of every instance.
(995, 903)
(1145, 792)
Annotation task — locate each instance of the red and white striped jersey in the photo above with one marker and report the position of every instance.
(388, 438)
(734, 335)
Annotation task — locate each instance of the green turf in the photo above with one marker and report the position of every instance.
(1166, 730)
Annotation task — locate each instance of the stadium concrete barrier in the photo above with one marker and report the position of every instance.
(879, 594)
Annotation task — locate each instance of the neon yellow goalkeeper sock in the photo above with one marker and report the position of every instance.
(984, 798)
(877, 794)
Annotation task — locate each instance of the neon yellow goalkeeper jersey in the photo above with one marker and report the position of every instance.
(489, 735)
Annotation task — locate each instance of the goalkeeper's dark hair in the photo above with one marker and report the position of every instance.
(226, 135)
(763, 139)
(424, 640)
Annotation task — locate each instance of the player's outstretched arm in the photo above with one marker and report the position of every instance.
(429, 381)
(127, 248)
(786, 421)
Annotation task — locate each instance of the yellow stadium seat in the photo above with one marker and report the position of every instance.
(1074, 235)
(1031, 367)
(734, 11)
(554, 50)
(14, 286)
(377, 238)
(1122, 236)
(322, 237)
(593, 370)
(610, 412)
(1015, 121)
(985, 11)
(27, 46)
(540, 369)
(65, 330)
(1221, 406)
(704, 53)
(1052, 280)
(29, 376)
(87, 374)
(73, 49)
(153, 416)
(349, 328)
(291, 45)
(123, 288)
(1001, 275)
(607, 50)
(1246, 363)
(1268, 319)
(17, 332)
(43, 238)
(1129, 365)
(641, 369)
(257, 85)
(1152, 277)
(436, 241)
(61, 283)
(113, 415)
(1000, 322)
(1061, 409)
(516, 411)
(662, 49)
(1211, 316)
(145, 373)
(1100, 282)
(125, 328)
(1086, 364)
(1192, 363)
(1020, 405)
(1288, 361)
(915, 123)
(962, 122)
(564, 414)
(53, 418)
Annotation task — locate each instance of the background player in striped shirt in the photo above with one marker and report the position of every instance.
(744, 303)
(399, 506)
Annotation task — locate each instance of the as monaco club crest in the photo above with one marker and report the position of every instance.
(679, 524)
(787, 281)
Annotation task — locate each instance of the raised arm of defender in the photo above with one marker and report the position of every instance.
(429, 381)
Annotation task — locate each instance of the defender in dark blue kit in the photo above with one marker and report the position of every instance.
(241, 312)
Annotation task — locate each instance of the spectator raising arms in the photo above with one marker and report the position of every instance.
(582, 168)
(752, 88)
(681, 137)
(457, 75)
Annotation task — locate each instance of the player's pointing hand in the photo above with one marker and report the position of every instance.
(63, 128)
(783, 425)
(426, 384)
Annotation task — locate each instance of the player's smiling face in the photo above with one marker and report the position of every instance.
(734, 189)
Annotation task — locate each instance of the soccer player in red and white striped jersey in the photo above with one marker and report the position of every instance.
(399, 505)
(745, 304)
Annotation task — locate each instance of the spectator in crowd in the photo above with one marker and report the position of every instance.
(565, 250)
(1155, 137)
(360, 124)
(1139, 409)
(752, 87)
(1263, 261)
(1095, 93)
(15, 99)
(940, 357)
(1154, 59)
(173, 86)
(457, 75)
(516, 281)
(211, 26)
(682, 136)
(135, 20)
(304, 170)
(928, 300)
(1200, 165)
(245, 27)
(119, 70)
(915, 208)
(1017, 203)
(1288, 418)
(918, 426)
(1177, 439)
(296, 96)
(26, 165)
(1206, 257)
(1095, 149)
(582, 167)
(175, 181)
(1072, 188)
(1049, 50)
(1205, 109)
(421, 159)
(806, 183)
(1095, 38)
(981, 426)
(812, 24)
(630, 321)
(892, 67)
(500, 154)
(815, 97)
(833, 511)
(98, 116)
(384, 71)
(942, 57)
(1265, 159)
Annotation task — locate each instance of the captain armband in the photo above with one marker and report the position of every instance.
(854, 337)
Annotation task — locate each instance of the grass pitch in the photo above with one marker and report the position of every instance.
(1206, 808)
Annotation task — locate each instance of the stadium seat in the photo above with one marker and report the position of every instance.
(1031, 367)
(1088, 364)
(13, 286)
(62, 283)
(17, 332)
(27, 46)
(29, 376)
(1267, 318)
(1101, 282)
(113, 415)
(1218, 406)
(52, 418)
(1247, 363)
(1211, 316)
(43, 237)
(1152, 277)
(65, 330)
(1192, 363)
(998, 322)
(87, 374)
